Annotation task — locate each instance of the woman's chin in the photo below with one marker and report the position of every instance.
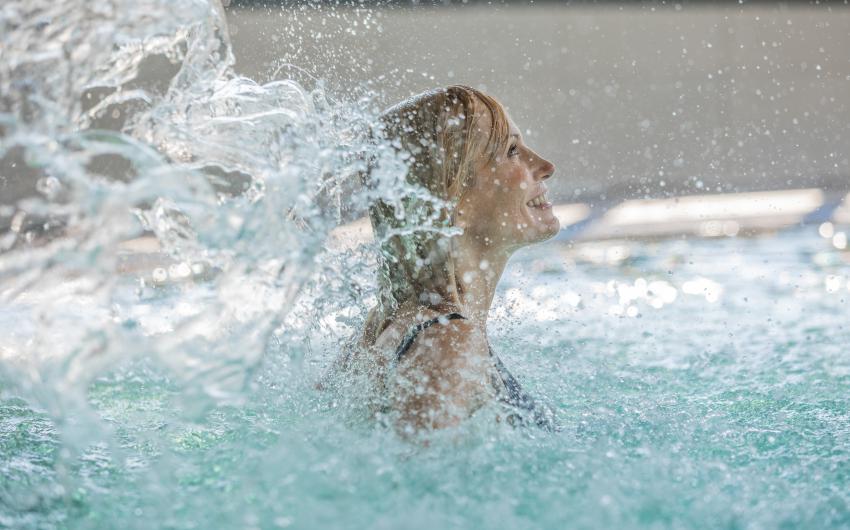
(542, 229)
(546, 225)
(550, 230)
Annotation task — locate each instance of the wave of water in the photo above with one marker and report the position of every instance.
(127, 119)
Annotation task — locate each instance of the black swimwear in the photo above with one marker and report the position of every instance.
(523, 407)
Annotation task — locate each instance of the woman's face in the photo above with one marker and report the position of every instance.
(506, 205)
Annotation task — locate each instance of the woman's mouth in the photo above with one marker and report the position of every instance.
(541, 202)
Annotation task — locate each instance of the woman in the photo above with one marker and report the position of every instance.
(424, 346)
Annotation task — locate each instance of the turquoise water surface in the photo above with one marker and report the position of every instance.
(698, 384)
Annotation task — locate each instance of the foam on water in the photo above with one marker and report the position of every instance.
(698, 383)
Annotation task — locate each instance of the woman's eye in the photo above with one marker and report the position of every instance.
(512, 150)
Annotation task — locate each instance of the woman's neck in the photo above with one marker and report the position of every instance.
(478, 268)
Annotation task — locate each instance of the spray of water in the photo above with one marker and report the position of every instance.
(126, 119)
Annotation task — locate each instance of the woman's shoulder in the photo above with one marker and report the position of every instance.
(443, 375)
(441, 342)
(440, 328)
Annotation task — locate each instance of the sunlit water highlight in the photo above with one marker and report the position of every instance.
(698, 383)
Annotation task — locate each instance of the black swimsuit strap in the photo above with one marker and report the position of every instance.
(415, 330)
(514, 396)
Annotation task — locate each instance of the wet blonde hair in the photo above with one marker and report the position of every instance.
(440, 132)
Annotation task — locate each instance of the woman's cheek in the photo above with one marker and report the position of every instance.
(516, 180)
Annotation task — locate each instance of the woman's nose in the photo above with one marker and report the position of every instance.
(546, 169)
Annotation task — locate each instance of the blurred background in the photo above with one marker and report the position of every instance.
(629, 101)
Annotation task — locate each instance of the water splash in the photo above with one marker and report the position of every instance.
(125, 123)
(130, 120)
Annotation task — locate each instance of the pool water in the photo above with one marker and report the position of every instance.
(698, 384)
